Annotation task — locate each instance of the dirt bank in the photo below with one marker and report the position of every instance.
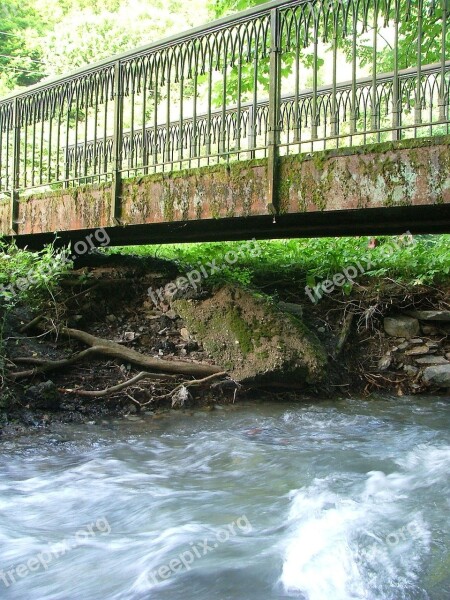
(106, 346)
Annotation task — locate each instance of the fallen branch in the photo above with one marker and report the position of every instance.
(116, 388)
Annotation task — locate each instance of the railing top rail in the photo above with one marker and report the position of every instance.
(256, 11)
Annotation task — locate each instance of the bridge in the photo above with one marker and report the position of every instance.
(294, 118)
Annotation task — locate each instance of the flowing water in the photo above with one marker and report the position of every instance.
(322, 501)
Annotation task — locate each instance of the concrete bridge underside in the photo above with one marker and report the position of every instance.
(380, 189)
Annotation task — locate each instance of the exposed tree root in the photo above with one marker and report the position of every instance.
(115, 350)
(103, 347)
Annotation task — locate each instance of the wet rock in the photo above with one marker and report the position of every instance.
(431, 315)
(29, 419)
(43, 396)
(401, 326)
(438, 375)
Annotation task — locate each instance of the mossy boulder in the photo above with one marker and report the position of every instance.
(251, 338)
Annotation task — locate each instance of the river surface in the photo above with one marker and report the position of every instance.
(321, 501)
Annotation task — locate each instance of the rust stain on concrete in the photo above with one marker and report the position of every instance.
(408, 173)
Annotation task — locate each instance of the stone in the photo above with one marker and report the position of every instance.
(432, 344)
(410, 370)
(401, 326)
(430, 315)
(438, 375)
(185, 334)
(171, 314)
(416, 341)
(447, 355)
(385, 362)
(272, 345)
(403, 346)
(417, 350)
(432, 360)
(44, 396)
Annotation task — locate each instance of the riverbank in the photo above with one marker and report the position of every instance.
(77, 357)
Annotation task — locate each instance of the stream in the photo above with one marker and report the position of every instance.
(331, 500)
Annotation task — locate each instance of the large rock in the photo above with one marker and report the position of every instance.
(401, 326)
(431, 315)
(438, 376)
(253, 339)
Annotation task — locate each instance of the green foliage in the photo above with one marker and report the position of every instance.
(40, 38)
(307, 261)
(20, 25)
(29, 277)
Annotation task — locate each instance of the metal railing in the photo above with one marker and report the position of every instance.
(284, 77)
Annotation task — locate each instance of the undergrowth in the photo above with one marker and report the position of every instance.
(29, 279)
(417, 260)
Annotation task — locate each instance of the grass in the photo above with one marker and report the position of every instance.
(411, 260)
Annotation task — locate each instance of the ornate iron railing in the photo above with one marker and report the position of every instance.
(233, 90)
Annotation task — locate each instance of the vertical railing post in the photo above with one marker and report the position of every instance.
(15, 169)
(117, 146)
(396, 94)
(442, 101)
(274, 110)
(251, 131)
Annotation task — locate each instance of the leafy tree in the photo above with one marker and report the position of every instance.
(20, 57)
